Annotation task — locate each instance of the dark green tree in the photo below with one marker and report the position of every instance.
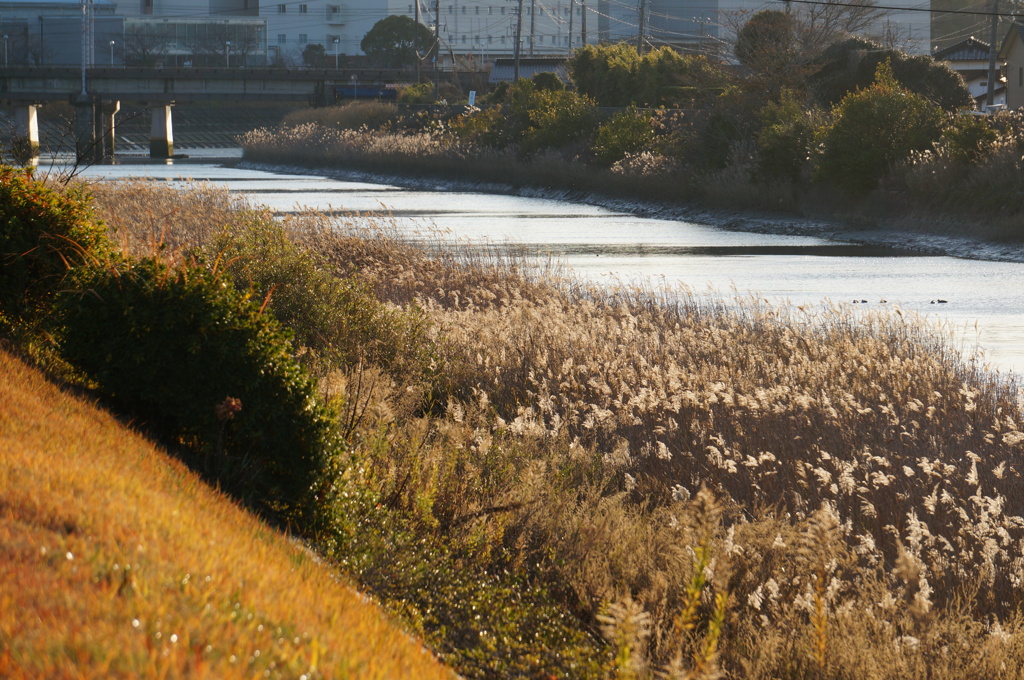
(874, 129)
(784, 139)
(546, 80)
(616, 75)
(850, 65)
(765, 41)
(393, 41)
(315, 55)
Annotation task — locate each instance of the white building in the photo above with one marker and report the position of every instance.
(139, 32)
(484, 28)
(487, 28)
(257, 31)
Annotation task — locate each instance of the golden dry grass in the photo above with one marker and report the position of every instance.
(115, 561)
(723, 486)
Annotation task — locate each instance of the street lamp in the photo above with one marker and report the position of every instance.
(227, 54)
(111, 54)
(336, 42)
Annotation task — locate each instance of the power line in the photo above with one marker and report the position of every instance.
(854, 5)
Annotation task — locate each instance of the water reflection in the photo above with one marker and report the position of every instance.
(606, 245)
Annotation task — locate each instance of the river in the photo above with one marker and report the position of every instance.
(983, 301)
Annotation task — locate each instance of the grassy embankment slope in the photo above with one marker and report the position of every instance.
(118, 562)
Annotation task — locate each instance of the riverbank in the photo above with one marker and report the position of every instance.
(746, 490)
(734, 220)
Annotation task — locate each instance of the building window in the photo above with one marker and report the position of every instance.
(147, 6)
(303, 9)
(463, 38)
(282, 9)
(282, 39)
(463, 9)
(303, 38)
(476, 10)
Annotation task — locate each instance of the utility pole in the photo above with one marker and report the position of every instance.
(519, 40)
(533, 24)
(416, 41)
(991, 92)
(572, 9)
(437, 47)
(583, 24)
(640, 27)
(87, 46)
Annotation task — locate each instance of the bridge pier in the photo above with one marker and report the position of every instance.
(87, 146)
(161, 136)
(26, 133)
(110, 110)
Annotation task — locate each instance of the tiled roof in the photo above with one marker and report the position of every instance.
(503, 69)
(971, 49)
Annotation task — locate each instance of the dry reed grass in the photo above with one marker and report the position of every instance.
(351, 116)
(729, 487)
(937, 191)
(436, 152)
(115, 561)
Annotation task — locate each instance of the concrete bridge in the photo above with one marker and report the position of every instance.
(98, 92)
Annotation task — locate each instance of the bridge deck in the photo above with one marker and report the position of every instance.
(32, 85)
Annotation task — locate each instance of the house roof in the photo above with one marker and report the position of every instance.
(1016, 32)
(970, 49)
(503, 69)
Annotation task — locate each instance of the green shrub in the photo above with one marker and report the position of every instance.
(557, 119)
(483, 625)
(873, 129)
(617, 75)
(531, 118)
(712, 141)
(44, 234)
(497, 95)
(627, 132)
(968, 138)
(606, 73)
(546, 80)
(337, 321)
(421, 93)
(485, 127)
(784, 141)
(207, 371)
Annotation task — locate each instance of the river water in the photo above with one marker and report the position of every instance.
(984, 300)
